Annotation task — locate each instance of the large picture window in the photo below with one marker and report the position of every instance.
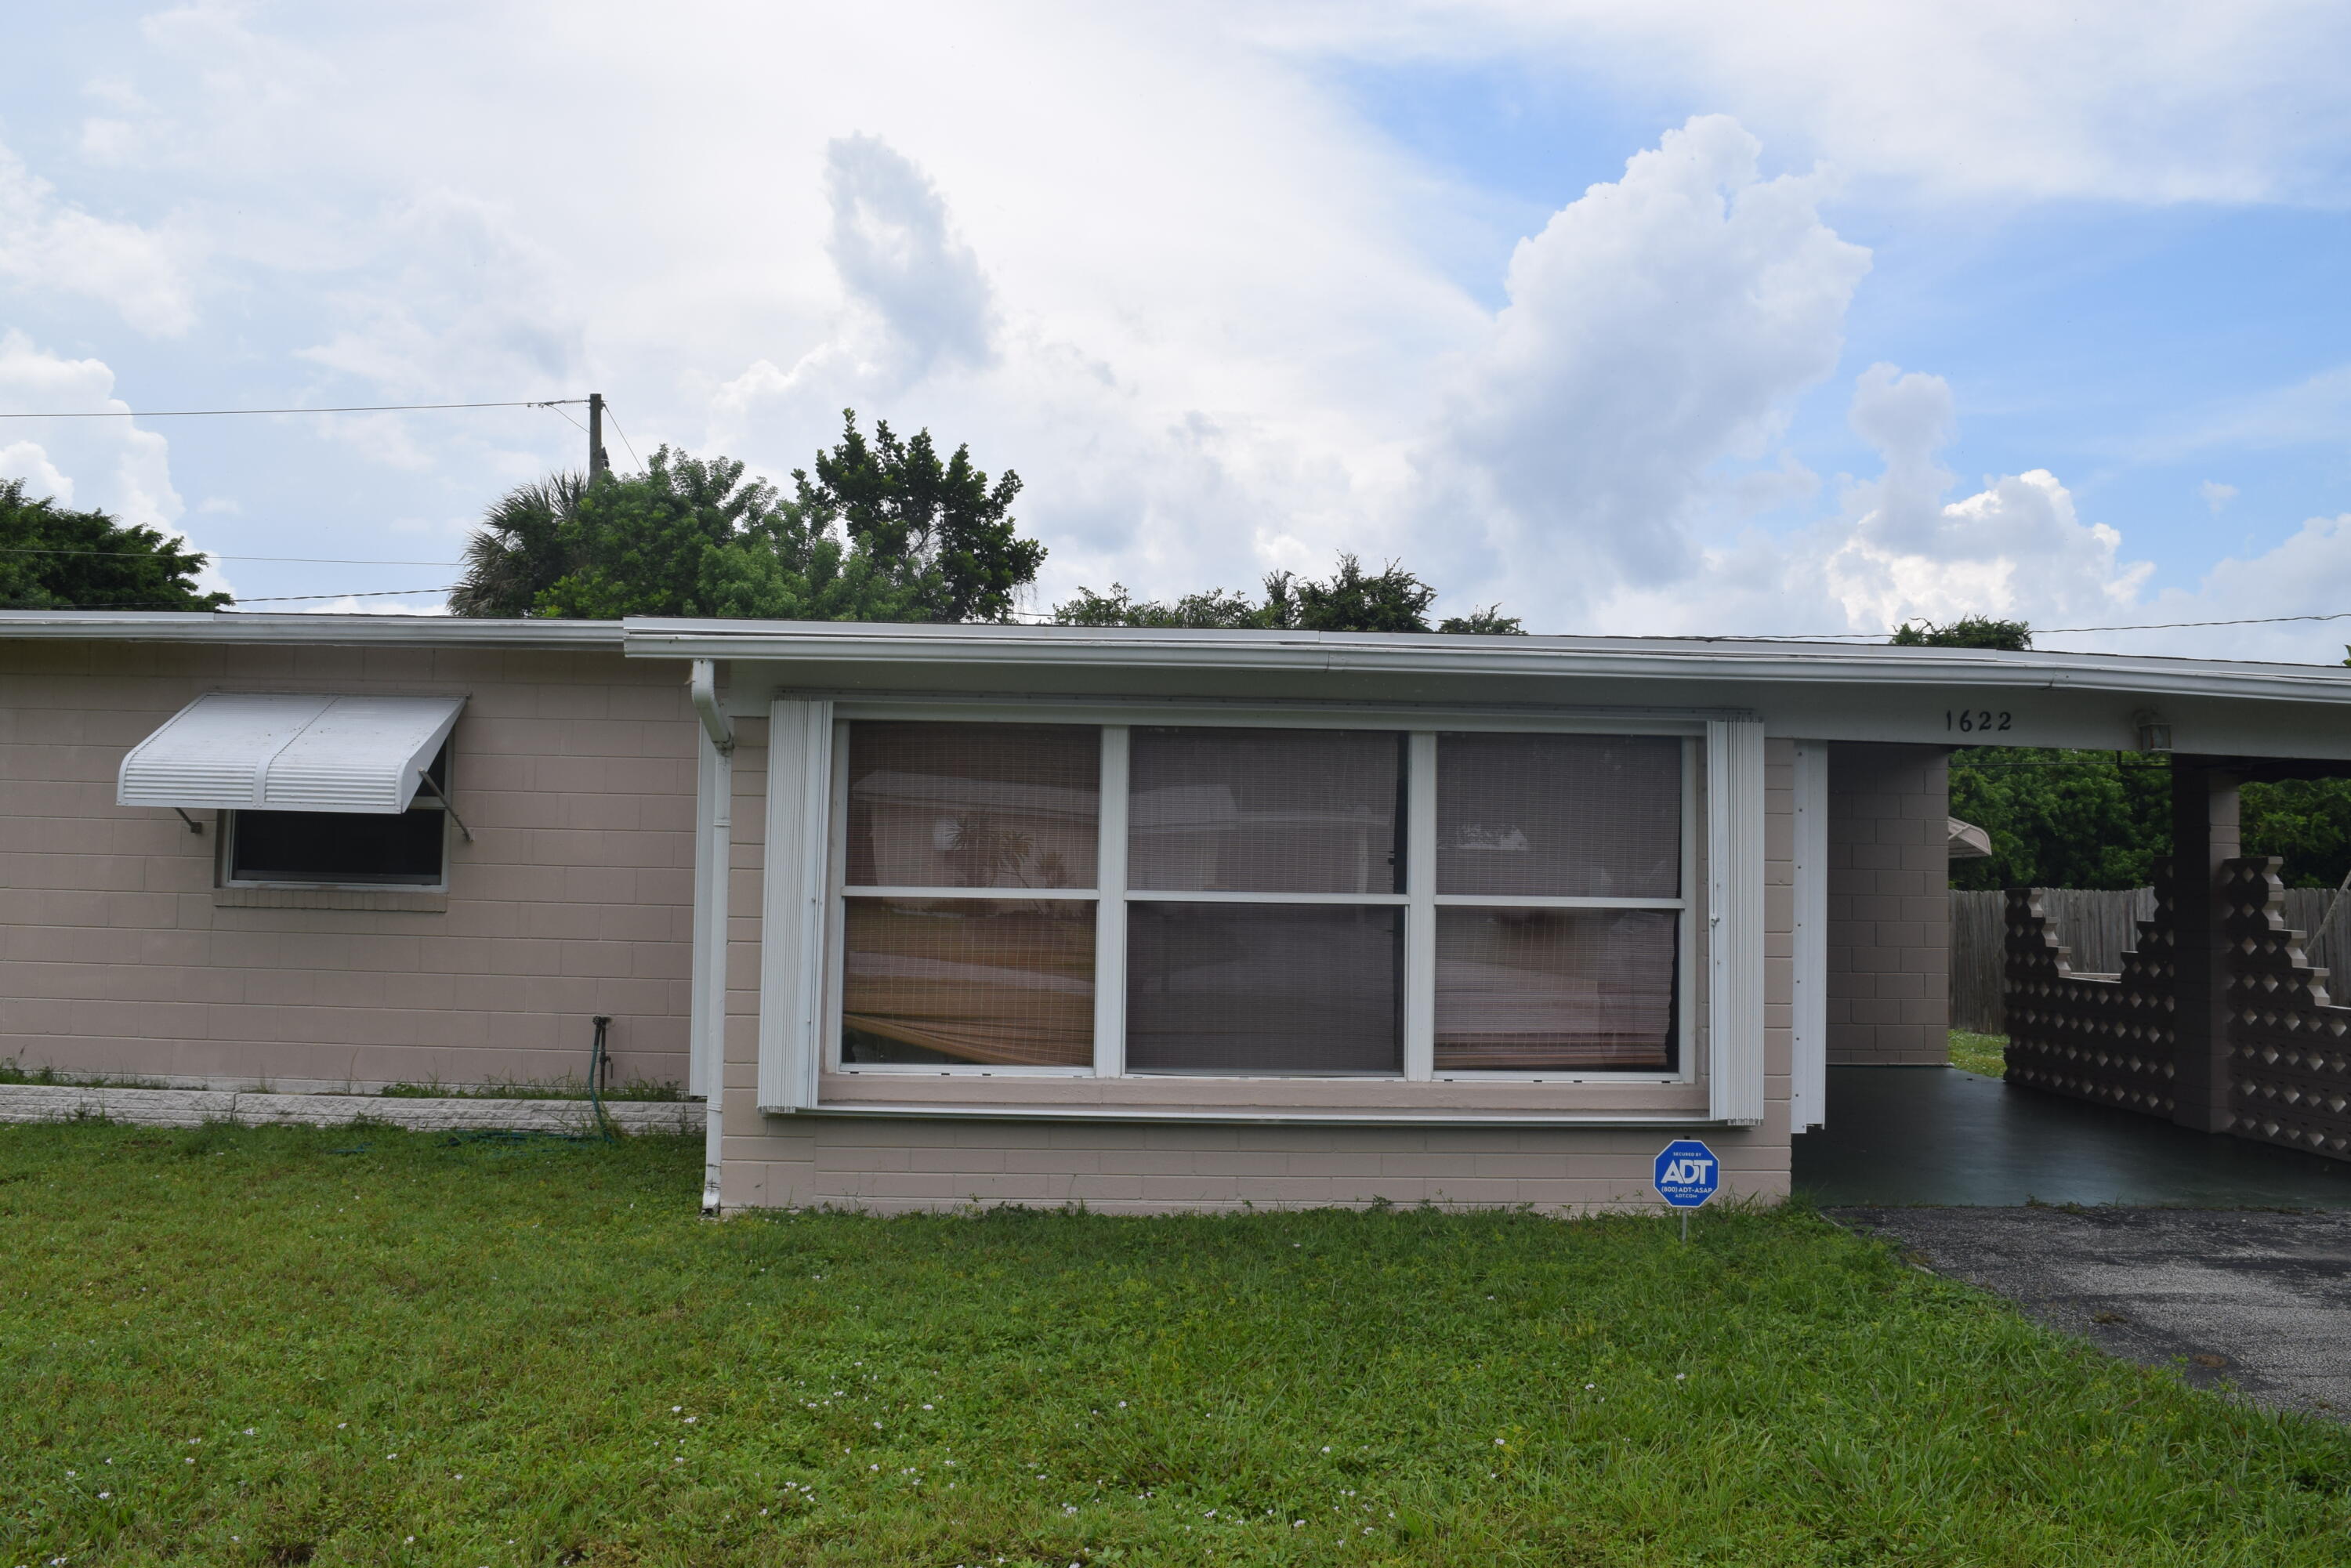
(1259, 900)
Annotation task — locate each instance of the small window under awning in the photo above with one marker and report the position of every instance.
(239, 751)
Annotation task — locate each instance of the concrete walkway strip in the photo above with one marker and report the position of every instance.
(2257, 1303)
(195, 1107)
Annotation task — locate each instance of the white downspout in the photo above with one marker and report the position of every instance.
(715, 822)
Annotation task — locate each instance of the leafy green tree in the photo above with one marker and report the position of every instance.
(885, 532)
(1351, 599)
(2307, 822)
(898, 502)
(1968, 631)
(2061, 819)
(2091, 819)
(53, 558)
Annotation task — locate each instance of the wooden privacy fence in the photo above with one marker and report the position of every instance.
(2099, 926)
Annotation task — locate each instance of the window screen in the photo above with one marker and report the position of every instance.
(338, 847)
(977, 981)
(973, 805)
(1577, 816)
(1264, 989)
(372, 848)
(1266, 810)
(1534, 989)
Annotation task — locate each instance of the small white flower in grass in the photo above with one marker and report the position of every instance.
(675, 1410)
(341, 1424)
(1589, 1386)
(251, 1431)
(926, 1408)
(391, 1456)
(102, 1496)
(188, 1461)
(1499, 1444)
(1678, 1376)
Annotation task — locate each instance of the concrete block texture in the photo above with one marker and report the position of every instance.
(121, 957)
(1889, 913)
(818, 1161)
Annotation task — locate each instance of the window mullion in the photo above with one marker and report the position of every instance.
(1420, 911)
(1110, 910)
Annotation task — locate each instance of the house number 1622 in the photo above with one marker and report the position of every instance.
(1966, 721)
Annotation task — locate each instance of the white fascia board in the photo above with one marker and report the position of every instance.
(289, 752)
(321, 630)
(1621, 659)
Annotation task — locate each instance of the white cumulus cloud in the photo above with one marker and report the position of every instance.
(50, 244)
(1656, 327)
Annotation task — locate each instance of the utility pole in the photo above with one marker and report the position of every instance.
(599, 464)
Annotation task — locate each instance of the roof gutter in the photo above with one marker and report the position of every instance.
(1661, 659)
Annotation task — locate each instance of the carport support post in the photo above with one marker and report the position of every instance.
(2203, 835)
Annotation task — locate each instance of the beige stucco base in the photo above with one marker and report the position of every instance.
(892, 1166)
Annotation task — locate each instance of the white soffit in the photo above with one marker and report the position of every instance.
(289, 753)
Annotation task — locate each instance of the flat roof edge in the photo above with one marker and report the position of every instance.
(1657, 659)
(325, 631)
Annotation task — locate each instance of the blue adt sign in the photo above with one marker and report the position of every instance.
(1687, 1173)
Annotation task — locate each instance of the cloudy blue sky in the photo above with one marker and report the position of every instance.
(1635, 318)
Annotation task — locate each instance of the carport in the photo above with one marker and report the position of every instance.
(2166, 1169)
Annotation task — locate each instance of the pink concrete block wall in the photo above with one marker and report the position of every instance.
(119, 955)
(1889, 988)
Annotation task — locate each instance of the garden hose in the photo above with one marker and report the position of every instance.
(599, 1061)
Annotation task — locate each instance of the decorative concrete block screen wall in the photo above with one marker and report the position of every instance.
(2289, 1047)
(2116, 1041)
(1889, 949)
(2110, 1039)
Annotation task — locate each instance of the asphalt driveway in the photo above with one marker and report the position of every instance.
(2256, 1302)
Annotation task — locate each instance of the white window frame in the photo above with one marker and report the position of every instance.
(807, 812)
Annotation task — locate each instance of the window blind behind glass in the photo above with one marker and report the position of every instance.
(970, 981)
(973, 805)
(1589, 816)
(1266, 810)
(1531, 989)
(1264, 987)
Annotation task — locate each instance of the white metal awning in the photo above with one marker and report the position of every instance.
(277, 752)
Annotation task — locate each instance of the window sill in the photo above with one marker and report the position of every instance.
(417, 901)
(1258, 1099)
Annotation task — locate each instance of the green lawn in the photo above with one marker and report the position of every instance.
(1984, 1053)
(279, 1346)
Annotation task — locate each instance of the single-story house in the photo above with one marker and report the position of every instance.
(1137, 919)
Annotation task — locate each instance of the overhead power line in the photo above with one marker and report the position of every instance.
(235, 600)
(291, 559)
(354, 408)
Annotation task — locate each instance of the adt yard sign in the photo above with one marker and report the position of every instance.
(1687, 1173)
